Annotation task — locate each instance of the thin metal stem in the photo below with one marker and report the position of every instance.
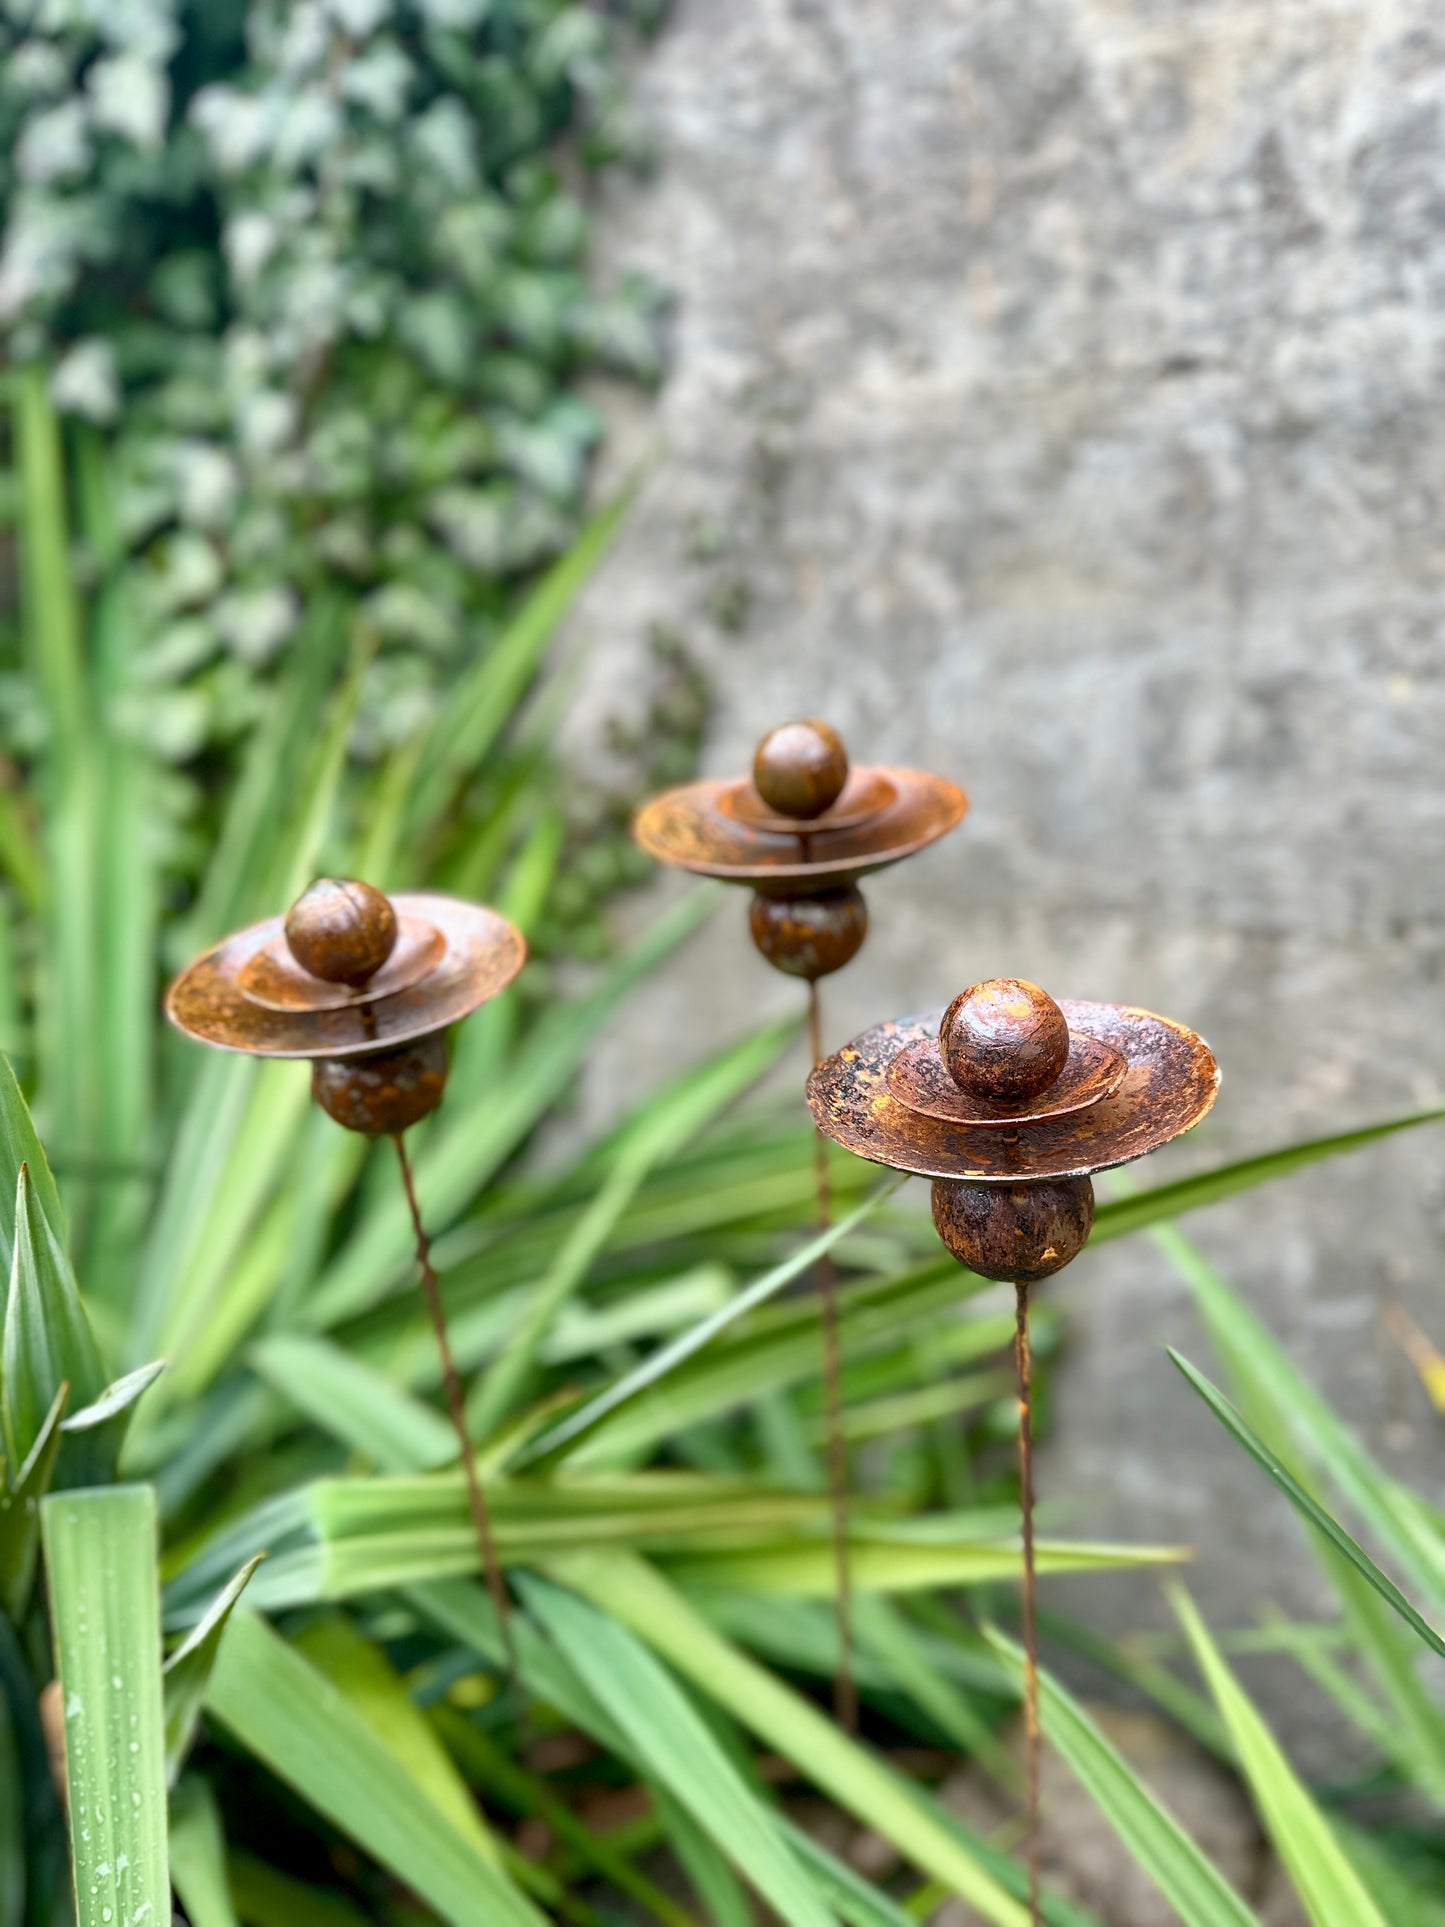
(845, 1691)
(456, 1407)
(1023, 1364)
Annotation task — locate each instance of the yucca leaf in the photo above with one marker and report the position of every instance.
(667, 1358)
(106, 1420)
(188, 1669)
(198, 1856)
(638, 1596)
(1292, 1418)
(884, 1630)
(1197, 1891)
(1309, 1509)
(679, 1750)
(1332, 1892)
(853, 1898)
(20, 1510)
(20, 1145)
(12, 1822)
(671, 1119)
(355, 1403)
(47, 1341)
(490, 1767)
(309, 1734)
(1118, 1217)
(100, 1556)
(360, 1670)
(887, 1565)
(266, 1897)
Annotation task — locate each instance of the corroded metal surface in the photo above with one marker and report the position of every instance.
(921, 1081)
(481, 954)
(1171, 1082)
(272, 976)
(692, 828)
(341, 929)
(385, 1093)
(810, 936)
(1014, 1233)
(799, 768)
(863, 796)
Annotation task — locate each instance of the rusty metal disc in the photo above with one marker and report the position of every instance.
(865, 793)
(273, 978)
(1170, 1083)
(920, 1080)
(697, 827)
(480, 954)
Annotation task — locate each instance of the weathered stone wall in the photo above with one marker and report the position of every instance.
(1058, 404)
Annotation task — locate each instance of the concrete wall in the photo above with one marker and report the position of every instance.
(1058, 404)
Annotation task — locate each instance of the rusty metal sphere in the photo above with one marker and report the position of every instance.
(1016, 1233)
(341, 930)
(385, 1092)
(1004, 1039)
(799, 769)
(810, 936)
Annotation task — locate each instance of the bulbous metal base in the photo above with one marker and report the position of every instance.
(810, 936)
(1016, 1233)
(386, 1092)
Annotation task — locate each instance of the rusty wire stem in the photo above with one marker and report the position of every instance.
(1023, 1363)
(456, 1408)
(845, 1691)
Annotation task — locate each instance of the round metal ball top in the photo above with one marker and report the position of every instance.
(1005, 1039)
(341, 930)
(1129, 1083)
(799, 769)
(295, 986)
(805, 820)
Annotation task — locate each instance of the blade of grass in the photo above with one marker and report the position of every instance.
(100, 1555)
(1309, 1509)
(667, 1357)
(1197, 1891)
(1332, 1892)
(681, 1110)
(680, 1751)
(1287, 1412)
(188, 1671)
(1118, 1217)
(310, 1735)
(198, 1856)
(355, 1403)
(639, 1597)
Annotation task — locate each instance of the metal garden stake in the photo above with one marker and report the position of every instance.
(1009, 1103)
(800, 832)
(365, 986)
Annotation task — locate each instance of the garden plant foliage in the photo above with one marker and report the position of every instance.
(231, 1524)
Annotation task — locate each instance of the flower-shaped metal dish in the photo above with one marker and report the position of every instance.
(725, 829)
(921, 1081)
(251, 994)
(1169, 1082)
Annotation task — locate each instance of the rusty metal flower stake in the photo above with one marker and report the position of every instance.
(1009, 1103)
(365, 986)
(800, 832)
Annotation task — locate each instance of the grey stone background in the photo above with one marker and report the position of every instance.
(1057, 404)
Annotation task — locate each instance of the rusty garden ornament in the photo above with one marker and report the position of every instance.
(1010, 1102)
(364, 986)
(799, 832)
